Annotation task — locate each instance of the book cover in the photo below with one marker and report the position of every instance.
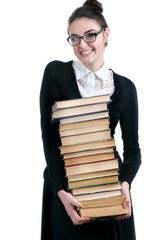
(92, 167)
(86, 137)
(94, 189)
(85, 117)
(93, 182)
(88, 146)
(97, 195)
(77, 111)
(103, 201)
(89, 158)
(84, 176)
(84, 130)
(88, 152)
(90, 123)
(80, 101)
(103, 211)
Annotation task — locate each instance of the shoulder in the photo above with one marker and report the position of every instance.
(58, 65)
(123, 81)
(124, 85)
(56, 70)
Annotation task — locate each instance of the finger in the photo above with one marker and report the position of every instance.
(77, 204)
(127, 215)
(124, 216)
(80, 221)
(126, 203)
(77, 220)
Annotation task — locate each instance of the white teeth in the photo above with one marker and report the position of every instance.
(86, 52)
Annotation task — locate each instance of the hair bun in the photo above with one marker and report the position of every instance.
(95, 4)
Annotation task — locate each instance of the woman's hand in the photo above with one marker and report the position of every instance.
(127, 201)
(70, 203)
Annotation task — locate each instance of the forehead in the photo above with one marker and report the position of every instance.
(82, 25)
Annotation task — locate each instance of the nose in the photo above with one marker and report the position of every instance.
(83, 44)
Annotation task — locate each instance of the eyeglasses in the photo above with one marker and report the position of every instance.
(88, 38)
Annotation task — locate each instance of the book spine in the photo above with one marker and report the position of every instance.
(94, 185)
(76, 164)
(89, 155)
(54, 118)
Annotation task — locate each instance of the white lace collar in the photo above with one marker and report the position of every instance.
(82, 71)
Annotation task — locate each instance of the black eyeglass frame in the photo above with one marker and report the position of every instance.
(83, 37)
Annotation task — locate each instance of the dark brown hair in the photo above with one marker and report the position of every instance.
(91, 9)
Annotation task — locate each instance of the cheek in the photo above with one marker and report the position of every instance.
(101, 46)
(75, 50)
(98, 45)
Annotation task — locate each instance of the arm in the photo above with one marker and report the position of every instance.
(132, 156)
(129, 128)
(51, 142)
(50, 135)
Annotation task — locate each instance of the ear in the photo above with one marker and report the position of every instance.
(106, 34)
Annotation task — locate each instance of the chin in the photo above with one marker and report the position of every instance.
(87, 60)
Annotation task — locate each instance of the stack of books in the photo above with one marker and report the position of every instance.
(88, 154)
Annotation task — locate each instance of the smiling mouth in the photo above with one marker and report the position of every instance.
(86, 53)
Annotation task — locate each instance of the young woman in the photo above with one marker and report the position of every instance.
(89, 76)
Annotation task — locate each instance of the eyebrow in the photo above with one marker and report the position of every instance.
(91, 30)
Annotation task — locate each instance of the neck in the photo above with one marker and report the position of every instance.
(94, 67)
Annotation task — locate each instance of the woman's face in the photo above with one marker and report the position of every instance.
(90, 54)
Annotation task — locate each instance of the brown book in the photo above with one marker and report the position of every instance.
(89, 158)
(103, 211)
(80, 110)
(87, 146)
(86, 117)
(91, 175)
(93, 182)
(88, 152)
(80, 101)
(98, 195)
(92, 167)
(86, 137)
(84, 124)
(94, 189)
(84, 130)
(103, 201)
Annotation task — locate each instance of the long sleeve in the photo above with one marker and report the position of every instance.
(129, 128)
(50, 134)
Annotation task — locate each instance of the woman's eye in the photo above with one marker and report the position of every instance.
(73, 39)
(90, 35)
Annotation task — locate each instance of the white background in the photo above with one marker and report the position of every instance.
(33, 33)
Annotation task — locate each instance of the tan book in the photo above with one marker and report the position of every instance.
(80, 101)
(88, 146)
(86, 117)
(98, 195)
(92, 167)
(77, 111)
(84, 130)
(103, 201)
(89, 158)
(86, 137)
(84, 124)
(93, 182)
(91, 175)
(103, 211)
(88, 152)
(95, 189)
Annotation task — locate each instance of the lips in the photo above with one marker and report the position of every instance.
(86, 53)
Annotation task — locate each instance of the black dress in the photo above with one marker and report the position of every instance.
(59, 83)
